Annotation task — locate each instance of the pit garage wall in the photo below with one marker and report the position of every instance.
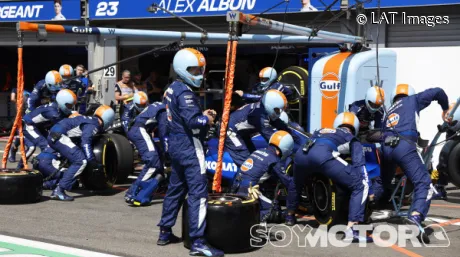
(427, 67)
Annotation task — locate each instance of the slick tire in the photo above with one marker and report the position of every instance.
(453, 165)
(229, 220)
(115, 154)
(329, 201)
(20, 186)
(295, 76)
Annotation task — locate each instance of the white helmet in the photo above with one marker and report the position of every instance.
(402, 89)
(267, 75)
(283, 141)
(53, 80)
(106, 114)
(375, 97)
(274, 103)
(140, 100)
(66, 100)
(184, 61)
(349, 120)
(284, 117)
(66, 71)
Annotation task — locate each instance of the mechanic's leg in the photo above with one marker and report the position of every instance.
(13, 150)
(195, 175)
(382, 186)
(237, 149)
(29, 148)
(49, 167)
(146, 149)
(291, 203)
(172, 202)
(78, 162)
(302, 166)
(411, 163)
(149, 181)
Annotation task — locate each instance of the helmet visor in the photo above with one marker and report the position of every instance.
(195, 70)
(374, 105)
(69, 106)
(264, 79)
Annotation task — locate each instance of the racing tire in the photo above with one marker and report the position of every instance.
(230, 220)
(115, 154)
(453, 165)
(20, 186)
(329, 201)
(295, 76)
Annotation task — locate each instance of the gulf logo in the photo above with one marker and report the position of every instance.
(393, 120)
(247, 165)
(330, 85)
(168, 113)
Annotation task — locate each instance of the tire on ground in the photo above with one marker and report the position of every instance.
(229, 221)
(20, 186)
(115, 153)
(295, 76)
(453, 165)
(329, 201)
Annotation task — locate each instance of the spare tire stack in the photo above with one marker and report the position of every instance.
(20, 186)
(229, 220)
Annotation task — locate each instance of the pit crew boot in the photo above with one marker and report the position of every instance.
(442, 193)
(167, 237)
(417, 221)
(201, 248)
(290, 220)
(353, 236)
(59, 194)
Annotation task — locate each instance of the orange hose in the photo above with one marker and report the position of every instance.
(231, 61)
(18, 120)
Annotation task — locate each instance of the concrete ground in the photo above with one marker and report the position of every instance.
(103, 222)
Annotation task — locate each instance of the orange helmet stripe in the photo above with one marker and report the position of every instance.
(282, 96)
(261, 73)
(402, 89)
(99, 111)
(72, 94)
(277, 137)
(199, 56)
(57, 76)
(380, 95)
(348, 118)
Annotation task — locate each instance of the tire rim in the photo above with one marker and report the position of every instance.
(320, 195)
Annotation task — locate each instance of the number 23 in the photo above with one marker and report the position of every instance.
(102, 9)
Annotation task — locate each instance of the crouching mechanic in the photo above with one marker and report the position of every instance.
(322, 154)
(261, 117)
(268, 81)
(62, 137)
(140, 134)
(400, 145)
(132, 109)
(45, 90)
(50, 164)
(369, 111)
(269, 160)
(187, 126)
(37, 122)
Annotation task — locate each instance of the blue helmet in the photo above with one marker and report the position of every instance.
(106, 114)
(66, 100)
(274, 103)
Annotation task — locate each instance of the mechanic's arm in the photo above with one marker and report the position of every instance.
(357, 153)
(425, 98)
(191, 112)
(34, 97)
(253, 97)
(162, 128)
(354, 108)
(88, 132)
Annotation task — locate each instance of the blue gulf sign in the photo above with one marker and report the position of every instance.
(40, 10)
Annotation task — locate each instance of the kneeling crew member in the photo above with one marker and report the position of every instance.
(322, 155)
(62, 137)
(271, 160)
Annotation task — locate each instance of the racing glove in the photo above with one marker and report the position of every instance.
(253, 192)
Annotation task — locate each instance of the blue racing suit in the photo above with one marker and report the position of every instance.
(36, 124)
(129, 113)
(402, 121)
(248, 120)
(140, 134)
(366, 117)
(62, 138)
(323, 157)
(260, 162)
(256, 94)
(40, 95)
(77, 86)
(187, 127)
(49, 164)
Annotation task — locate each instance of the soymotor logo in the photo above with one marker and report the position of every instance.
(383, 236)
(330, 85)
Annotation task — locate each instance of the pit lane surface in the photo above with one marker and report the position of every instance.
(102, 222)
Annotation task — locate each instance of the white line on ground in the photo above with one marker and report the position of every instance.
(438, 220)
(35, 154)
(52, 247)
